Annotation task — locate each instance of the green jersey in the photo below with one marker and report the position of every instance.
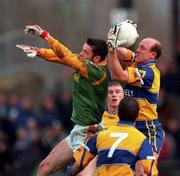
(90, 83)
(89, 94)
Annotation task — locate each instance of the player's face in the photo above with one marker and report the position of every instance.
(86, 53)
(143, 52)
(115, 95)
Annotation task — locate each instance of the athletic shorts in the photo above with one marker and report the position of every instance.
(79, 135)
(152, 129)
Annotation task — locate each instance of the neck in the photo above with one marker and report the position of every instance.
(112, 110)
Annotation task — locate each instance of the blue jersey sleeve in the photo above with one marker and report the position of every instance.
(86, 152)
(145, 151)
(147, 76)
(91, 144)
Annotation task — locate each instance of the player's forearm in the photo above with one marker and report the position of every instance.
(65, 56)
(125, 56)
(116, 70)
(49, 55)
(60, 50)
(76, 169)
(150, 167)
(122, 53)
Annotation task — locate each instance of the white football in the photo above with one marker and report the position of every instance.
(128, 33)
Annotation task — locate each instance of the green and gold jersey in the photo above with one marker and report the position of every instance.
(89, 94)
(90, 82)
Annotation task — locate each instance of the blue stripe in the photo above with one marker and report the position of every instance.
(91, 143)
(151, 167)
(141, 126)
(82, 158)
(137, 92)
(142, 92)
(120, 156)
(145, 150)
(145, 64)
(123, 122)
(148, 78)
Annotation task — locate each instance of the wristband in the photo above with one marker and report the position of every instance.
(44, 34)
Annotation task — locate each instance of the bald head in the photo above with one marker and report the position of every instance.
(155, 46)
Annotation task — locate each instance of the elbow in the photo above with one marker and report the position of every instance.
(119, 78)
(115, 78)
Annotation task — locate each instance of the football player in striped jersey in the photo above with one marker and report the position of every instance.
(119, 147)
(143, 83)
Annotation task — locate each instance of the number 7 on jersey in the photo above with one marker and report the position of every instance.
(120, 137)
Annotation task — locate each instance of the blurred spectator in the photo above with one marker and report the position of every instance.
(52, 134)
(14, 106)
(173, 128)
(8, 127)
(27, 112)
(58, 132)
(28, 148)
(23, 140)
(67, 103)
(169, 74)
(49, 112)
(3, 105)
(168, 148)
(172, 140)
(165, 106)
(6, 156)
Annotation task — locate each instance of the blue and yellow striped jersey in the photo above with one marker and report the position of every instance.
(109, 120)
(118, 148)
(147, 93)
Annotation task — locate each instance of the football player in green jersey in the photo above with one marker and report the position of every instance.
(90, 82)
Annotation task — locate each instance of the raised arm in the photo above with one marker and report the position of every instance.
(116, 70)
(58, 52)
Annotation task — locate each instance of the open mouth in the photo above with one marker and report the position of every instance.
(114, 100)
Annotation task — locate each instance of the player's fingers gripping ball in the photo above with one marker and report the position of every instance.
(112, 37)
(123, 34)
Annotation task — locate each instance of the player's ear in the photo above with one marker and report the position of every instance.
(153, 54)
(96, 59)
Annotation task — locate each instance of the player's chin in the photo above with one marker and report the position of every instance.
(138, 59)
(82, 58)
(115, 103)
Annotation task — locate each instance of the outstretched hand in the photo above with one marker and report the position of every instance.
(29, 50)
(36, 30)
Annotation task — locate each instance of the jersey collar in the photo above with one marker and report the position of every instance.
(147, 63)
(126, 123)
(103, 63)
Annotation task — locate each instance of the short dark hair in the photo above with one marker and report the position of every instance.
(115, 83)
(99, 47)
(157, 48)
(128, 109)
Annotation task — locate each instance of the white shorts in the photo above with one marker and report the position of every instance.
(77, 136)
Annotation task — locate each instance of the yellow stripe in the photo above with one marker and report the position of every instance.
(149, 134)
(155, 133)
(101, 80)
